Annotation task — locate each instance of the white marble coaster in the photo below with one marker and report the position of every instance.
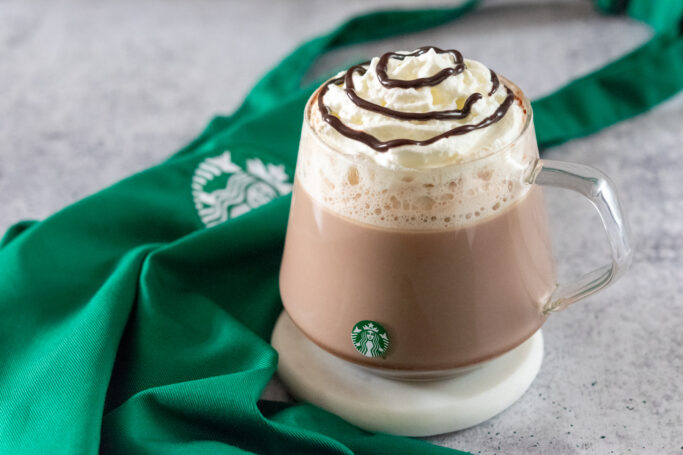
(408, 408)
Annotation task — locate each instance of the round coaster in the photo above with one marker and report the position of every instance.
(407, 408)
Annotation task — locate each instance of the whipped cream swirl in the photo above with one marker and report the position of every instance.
(420, 109)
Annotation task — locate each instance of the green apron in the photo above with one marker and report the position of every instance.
(137, 320)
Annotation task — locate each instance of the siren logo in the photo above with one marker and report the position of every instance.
(222, 189)
(370, 339)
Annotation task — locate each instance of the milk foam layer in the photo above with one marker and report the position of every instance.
(450, 183)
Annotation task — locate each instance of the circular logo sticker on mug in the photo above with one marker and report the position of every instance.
(370, 339)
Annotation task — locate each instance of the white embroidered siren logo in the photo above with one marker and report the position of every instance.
(218, 199)
(370, 339)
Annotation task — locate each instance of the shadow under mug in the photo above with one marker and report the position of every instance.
(390, 289)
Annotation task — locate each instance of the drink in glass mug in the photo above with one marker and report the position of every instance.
(418, 241)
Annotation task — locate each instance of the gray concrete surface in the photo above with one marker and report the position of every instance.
(91, 92)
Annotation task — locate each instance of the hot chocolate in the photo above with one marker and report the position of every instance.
(412, 212)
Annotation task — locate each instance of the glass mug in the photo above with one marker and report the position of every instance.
(425, 273)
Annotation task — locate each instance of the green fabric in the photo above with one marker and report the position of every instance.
(129, 328)
(617, 91)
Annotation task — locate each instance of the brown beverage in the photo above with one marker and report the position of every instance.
(452, 261)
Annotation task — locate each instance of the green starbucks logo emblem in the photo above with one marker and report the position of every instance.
(370, 339)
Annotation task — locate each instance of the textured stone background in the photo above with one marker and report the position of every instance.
(91, 92)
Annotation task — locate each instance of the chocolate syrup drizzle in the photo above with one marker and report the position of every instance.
(457, 68)
(382, 146)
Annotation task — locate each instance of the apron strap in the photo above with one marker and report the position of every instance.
(621, 89)
(624, 88)
(286, 77)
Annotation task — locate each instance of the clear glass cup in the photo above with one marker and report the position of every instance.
(425, 273)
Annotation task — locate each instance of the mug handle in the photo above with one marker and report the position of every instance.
(600, 191)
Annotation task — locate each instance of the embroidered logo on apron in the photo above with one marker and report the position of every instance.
(221, 189)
